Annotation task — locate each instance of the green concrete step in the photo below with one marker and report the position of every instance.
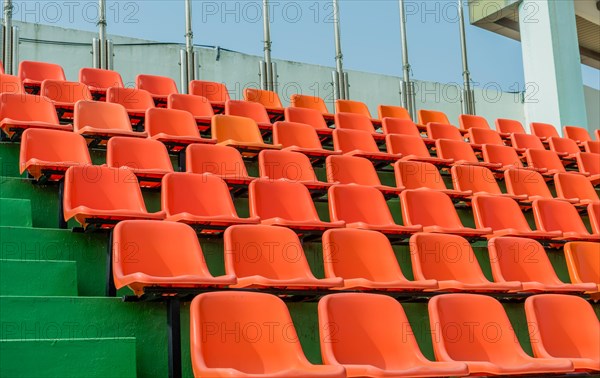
(15, 212)
(9, 159)
(66, 358)
(97, 318)
(38, 278)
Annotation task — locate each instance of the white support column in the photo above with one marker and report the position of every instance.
(552, 64)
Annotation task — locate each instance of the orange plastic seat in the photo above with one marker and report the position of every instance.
(253, 110)
(202, 201)
(281, 355)
(310, 102)
(509, 126)
(347, 253)
(420, 175)
(148, 159)
(468, 122)
(175, 128)
(239, 132)
(544, 159)
(33, 73)
(64, 95)
(350, 106)
(199, 107)
(216, 93)
(356, 121)
(479, 136)
(291, 166)
(557, 215)
(402, 126)
(357, 170)
(311, 117)
(592, 146)
(412, 148)
(160, 87)
(444, 131)
(450, 260)
(100, 197)
(135, 101)
(504, 216)
(19, 112)
(222, 161)
(99, 80)
(99, 121)
(524, 142)
(478, 180)
(259, 256)
(583, 263)
(427, 116)
(393, 111)
(301, 137)
(364, 207)
(565, 147)
(566, 327)
(594, 216)
(288, 204)
(578, 134)
(361, 143)
(506, 156)
(168, 255)
(268, 99)
(47, 154)
(353, 319)
(589, 164)
(475, 329)
(525, 260)
(530, 184)
(575, 188)
(11, 84)
(462, 153)
(435, 211)
(543, 130)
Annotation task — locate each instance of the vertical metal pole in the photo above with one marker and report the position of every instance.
(15, 50)
(268, 80)
(189, 41)
(408, 93)
(468, 103)
(338, 52)
(184, 79)
(8, 58)
(102, 34)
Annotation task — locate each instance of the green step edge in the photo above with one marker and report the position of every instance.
(38, 278)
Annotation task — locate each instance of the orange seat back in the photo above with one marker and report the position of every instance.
(400, 126)
(588, 162)
(301, 135)
(268, 99)
(526, 141)
(100, 78)
(350, 140)
(504, 155)
(213, 91)
(509, 126)
(557, 215)
(574, 186)
(429, 208)
(349, 106)
(100, 115)
(307, 116)
(223, 161)
(200, 195)
(65, 91)
(248, 109)
(499, 213)
(357, 203)
(171, 122)
(484, 136)
(23, 107)
(353, 121)
(416, 175)
(475, 179)
(427, 116)
(529, 183)
(130, 98)
(137, 153)
(544, 159)
(239, 129)
(579, 134)
(455, 149)
(583, 262)
(351, 170)
(309, 102)
(40, 71)
(444, 131)
(156, 85)
(565, 145)
(392, 111)
(11, 84)
(467, 122)
(197, 106)
(543, 130)
(292, 166)
(406, 145)
(281, 199)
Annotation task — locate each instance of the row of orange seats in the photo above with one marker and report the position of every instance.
(252, 334)
(167, 255)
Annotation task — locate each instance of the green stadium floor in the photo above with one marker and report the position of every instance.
(56, 322)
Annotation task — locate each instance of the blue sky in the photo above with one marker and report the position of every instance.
(302, 31)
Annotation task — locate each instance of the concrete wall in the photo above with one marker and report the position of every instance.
(133, 56)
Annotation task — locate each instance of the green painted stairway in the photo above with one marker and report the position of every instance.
(55, 321)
